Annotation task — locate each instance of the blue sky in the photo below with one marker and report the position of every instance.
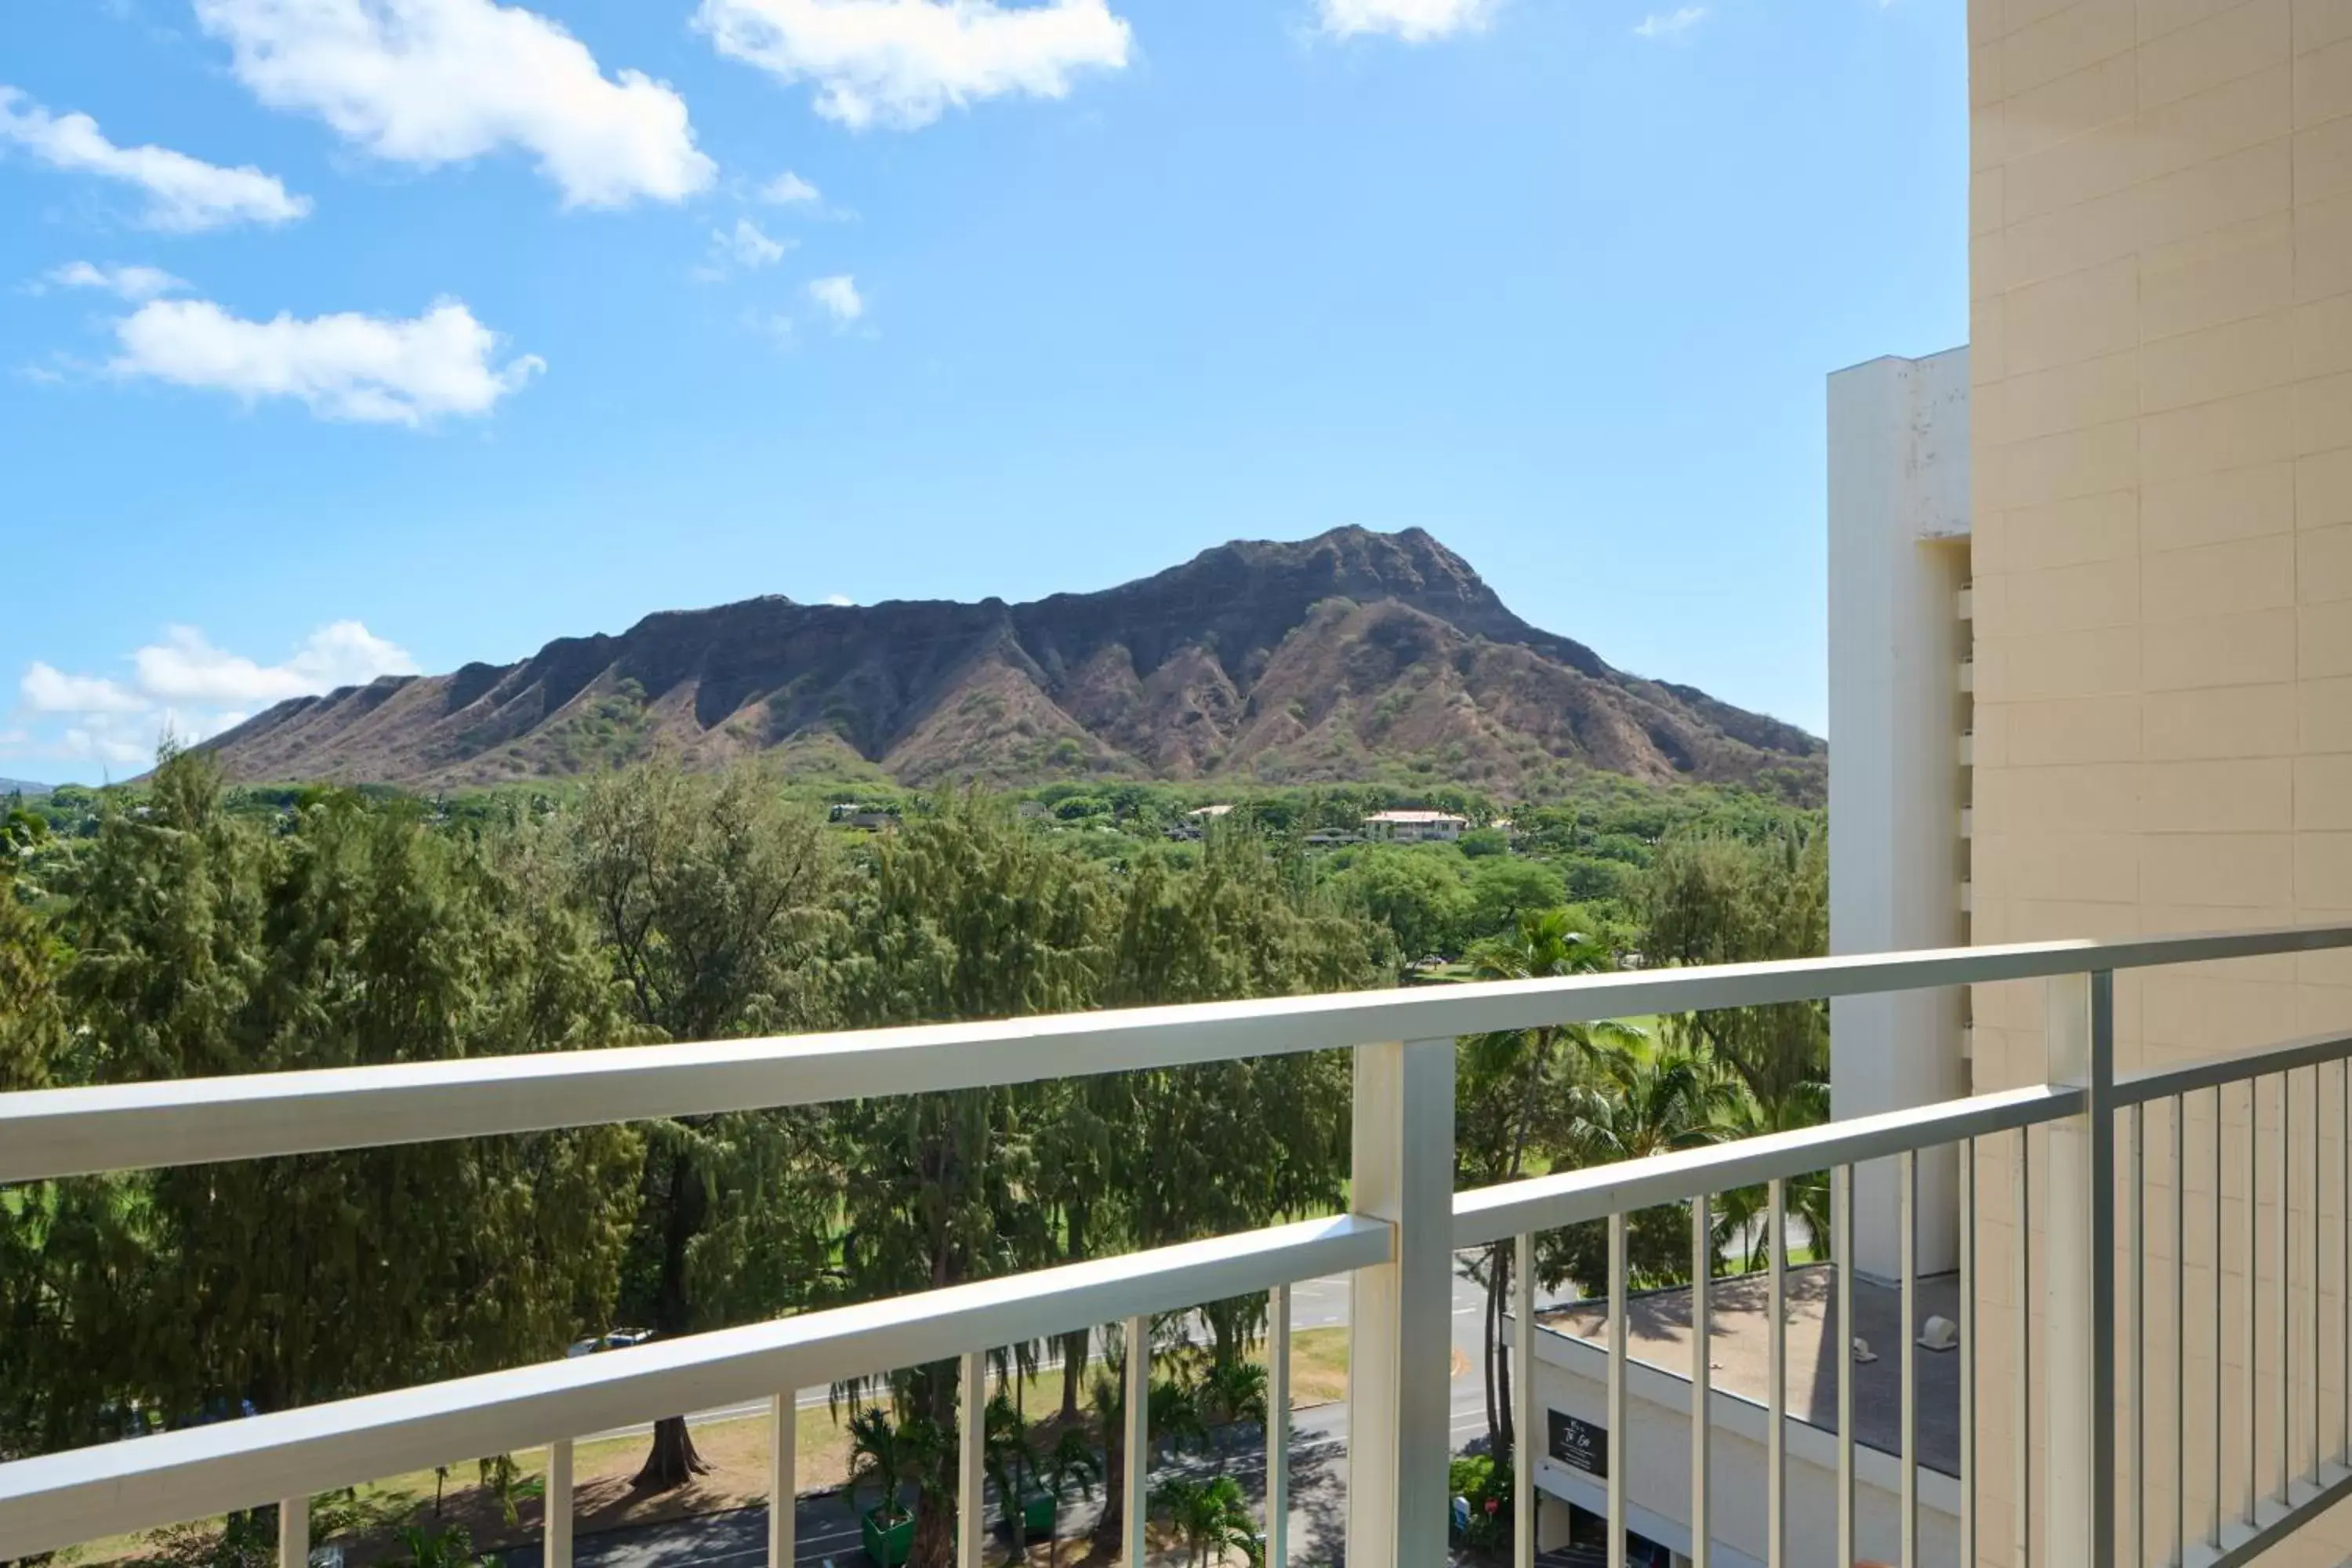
(344, 336)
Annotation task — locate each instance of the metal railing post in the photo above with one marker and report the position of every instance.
(2079, 1278)
(557, 1507)
(1400, 1312)
(294, 1532)
(1136, 1412)
(1523, 1401)
(784, 1482)
(971, 1462)
(1702, 1417)
(1277, 1430)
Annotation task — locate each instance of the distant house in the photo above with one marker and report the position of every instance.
(1196, 821)
(1331, 838)
(872, 819)
(1415, 826)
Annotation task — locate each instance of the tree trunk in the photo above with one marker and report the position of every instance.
(1111, 1523)
(1074, 1347)
(935, 1531)
(674, 1461)
(1504, 1372)
(1488, 1319)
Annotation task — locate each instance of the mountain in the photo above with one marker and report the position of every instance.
(1351, 656)
(24, 788)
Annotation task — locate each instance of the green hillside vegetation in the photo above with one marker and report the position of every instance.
(182, 928)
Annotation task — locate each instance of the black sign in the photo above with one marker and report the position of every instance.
(1579, 1445)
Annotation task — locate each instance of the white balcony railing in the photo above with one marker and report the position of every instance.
(1396, 1248)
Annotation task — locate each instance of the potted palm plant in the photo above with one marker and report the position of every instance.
(1071, 1466)
(885, 1454)
(1011, 1459)
(1211, 1517)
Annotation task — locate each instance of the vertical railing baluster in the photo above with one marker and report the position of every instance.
(2134, 1492)
(2285, 1459)
(1277, 1428)
(1136, 1412)
(1702, 1426)
(1776, 1440)
(2079, 1504)
(1523, 1401)
(2180, 1329)
(294, 1532)
(971, 1463)
(1967, 1157)
(1621, 1445)
(557, 1506)
(1842, 1249)
(783, 1485)
(2213, 1520)
(2253, 1296)
(1907, 1200)
(2020, 1361)
(2312, 1206)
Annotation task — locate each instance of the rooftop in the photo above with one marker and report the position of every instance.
(1658, 1333)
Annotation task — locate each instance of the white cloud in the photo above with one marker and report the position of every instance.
(184, 193)
(774, 325)
(839, 601)
(348, 366)
(1670, 24)
(1414, 21)
(788, 189)
(744, 248)
(185, 668)
(904, 63)
(185, 687)
(439, 81)
(839, 298)
(135, 284)
(48, 690)
(101, 741)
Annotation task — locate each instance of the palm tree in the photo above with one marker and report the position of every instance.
(1511, 1086)
(1740, 1216)
(1070, 1466)
(1108, 1397)
(450, 1548)
(1011, 1460)
(1235, 1391)
(1211, 1517)
(1648, 1103)
(888, 1455)
(1174, 1418)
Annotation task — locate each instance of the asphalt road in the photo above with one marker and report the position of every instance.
(826, 1530)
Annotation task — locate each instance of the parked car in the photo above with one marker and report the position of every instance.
(610, 1340)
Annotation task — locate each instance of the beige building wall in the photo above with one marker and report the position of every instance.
(2161, 357)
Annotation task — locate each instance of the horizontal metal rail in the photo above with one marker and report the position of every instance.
(2273, 1519)
(2211, 1072)
(61, 1500)
(1573, 1197)
(79, 1131)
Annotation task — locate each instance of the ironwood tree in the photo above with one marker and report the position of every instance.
(343, 935)
(711, 897)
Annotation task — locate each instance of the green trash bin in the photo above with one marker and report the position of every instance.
(886, 1544)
